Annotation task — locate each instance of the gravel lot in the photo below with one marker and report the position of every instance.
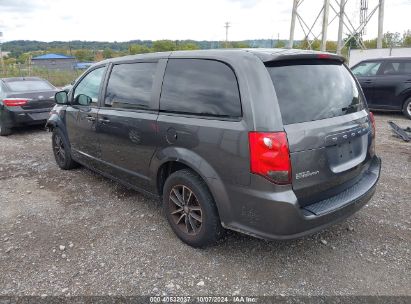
(77, 233)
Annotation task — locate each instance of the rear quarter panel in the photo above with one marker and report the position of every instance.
(218, 149)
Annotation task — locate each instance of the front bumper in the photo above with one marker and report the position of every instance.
(15, 118)
(278, 215)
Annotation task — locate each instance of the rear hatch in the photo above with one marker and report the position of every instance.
(328, 127)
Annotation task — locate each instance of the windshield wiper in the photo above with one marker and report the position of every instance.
(350, 107)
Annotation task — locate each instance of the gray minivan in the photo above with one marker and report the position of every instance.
(273, 143)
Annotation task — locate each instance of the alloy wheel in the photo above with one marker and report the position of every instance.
(185, 209)
(59, 150)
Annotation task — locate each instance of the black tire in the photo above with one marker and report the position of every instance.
(199, 205)
(3, 130)
(407, 108)
(61, 150)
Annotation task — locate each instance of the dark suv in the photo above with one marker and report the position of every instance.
(386, 83)
(272, 143)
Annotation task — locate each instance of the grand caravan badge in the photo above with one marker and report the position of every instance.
(306, 174)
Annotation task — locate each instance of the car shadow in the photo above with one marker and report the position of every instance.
(27, 130)
(388, 114)
(237, 242)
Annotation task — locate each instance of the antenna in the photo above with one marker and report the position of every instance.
(363, 16)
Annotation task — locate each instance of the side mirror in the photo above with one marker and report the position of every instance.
(83, 100)
(61, 97)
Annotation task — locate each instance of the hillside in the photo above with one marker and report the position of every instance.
(18, 47)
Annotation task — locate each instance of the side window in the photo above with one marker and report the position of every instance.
(130, 85)
(366, 69)
(391, 68)
(405, 67)
(200, 87)
(87, 91)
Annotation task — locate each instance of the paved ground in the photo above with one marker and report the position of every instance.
(76, 233)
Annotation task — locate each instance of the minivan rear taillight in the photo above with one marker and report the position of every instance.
(270, 156)
(15, 102)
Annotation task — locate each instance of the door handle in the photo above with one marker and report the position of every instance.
(368, 81)
(90, 118)
(104, 120)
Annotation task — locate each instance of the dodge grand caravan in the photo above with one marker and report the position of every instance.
(272, 143)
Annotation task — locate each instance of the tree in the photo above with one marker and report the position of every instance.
(238, 45)
(188, 46)
(108, 53)
(138, 49)
(305, 45)
(84, 55)
(163, 46)
(392, 39)
(351, 41)
(9, 61)
(23, 58)
(370, 44)
(406, 38)
(331, 46)
(280, 44)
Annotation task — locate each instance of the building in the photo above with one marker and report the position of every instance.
(357, 55)
(82, 65)
(4, 54)
(54, 62)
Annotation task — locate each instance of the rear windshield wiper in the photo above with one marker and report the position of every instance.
(350, 107)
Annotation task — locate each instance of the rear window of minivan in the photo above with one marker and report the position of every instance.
(314, 89)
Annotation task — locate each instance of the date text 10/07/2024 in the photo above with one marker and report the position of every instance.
(203, 299)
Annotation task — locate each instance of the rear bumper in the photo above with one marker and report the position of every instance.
(15, 118)
(279, 216)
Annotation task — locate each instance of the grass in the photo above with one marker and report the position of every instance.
(57, 77)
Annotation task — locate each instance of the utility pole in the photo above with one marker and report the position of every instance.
(227, 26)
(380, 24)
(70, 49)
(1, 53)
(325, 25)
(292, 29)
(341, 26)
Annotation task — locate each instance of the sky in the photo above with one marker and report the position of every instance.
(122, 20)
